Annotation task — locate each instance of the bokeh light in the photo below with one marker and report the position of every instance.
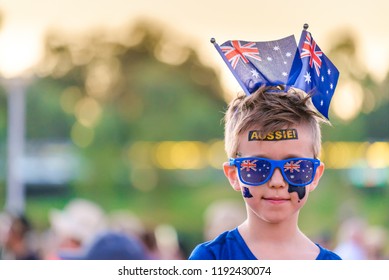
(347, 102)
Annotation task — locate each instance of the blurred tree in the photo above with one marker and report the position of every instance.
(153, 100)
(377, 125)
(105, 93)
(369, 96)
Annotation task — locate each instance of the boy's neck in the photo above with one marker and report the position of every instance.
(271, 232)
(277, 241)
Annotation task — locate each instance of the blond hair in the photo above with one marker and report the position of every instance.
(270, 109)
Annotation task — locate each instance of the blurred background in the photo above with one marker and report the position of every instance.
(110, 118)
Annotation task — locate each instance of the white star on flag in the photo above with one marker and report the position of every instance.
(307, 78)
(254, 73)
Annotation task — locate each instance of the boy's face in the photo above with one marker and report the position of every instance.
(275, 200)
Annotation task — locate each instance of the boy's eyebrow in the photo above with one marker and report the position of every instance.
(296, 156)
(247, 156)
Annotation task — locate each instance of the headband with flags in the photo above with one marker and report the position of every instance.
(281, 62)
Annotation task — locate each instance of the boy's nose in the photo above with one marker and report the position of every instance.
(277, 180)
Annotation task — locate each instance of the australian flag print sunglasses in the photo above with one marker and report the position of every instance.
(255, 171)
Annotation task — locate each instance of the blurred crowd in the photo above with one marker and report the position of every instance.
(83, 230)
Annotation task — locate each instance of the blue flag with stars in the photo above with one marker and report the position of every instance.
(318, 76)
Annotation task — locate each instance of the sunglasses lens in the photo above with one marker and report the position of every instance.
(299, 172)
(255, 171)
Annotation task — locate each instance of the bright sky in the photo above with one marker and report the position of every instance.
(24, 22)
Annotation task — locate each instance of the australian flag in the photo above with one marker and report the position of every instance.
(261, 63)
(281, 62)
(318, 76)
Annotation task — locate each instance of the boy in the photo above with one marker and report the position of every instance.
(273, 140)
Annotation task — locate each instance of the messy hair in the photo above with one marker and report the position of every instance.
(270, 109)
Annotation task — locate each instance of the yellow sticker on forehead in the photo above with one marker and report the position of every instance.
(278, 135)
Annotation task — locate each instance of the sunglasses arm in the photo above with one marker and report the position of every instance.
(231, 162)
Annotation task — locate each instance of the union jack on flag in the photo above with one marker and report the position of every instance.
(291, 166)
(249, 165)
(310, 49)
(238, 52)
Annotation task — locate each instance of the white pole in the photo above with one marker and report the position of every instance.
(15, 196)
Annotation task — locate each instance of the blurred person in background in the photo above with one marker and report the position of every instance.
(168, 244)
(150, 241)
(161, 242)
(124, 221)
(17, 242)
(221, 216)
(4, 227)
(73, 227)
(110, 245)
(351, 243)
(376, 238)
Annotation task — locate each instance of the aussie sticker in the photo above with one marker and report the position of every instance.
(278, 135)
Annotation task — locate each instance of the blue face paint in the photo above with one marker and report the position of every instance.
(299, 190)
(247, 193)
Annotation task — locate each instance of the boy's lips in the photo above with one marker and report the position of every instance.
(276, 200)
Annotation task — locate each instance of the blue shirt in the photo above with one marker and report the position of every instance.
(231, 246)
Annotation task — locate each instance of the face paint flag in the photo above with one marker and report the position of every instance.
(318, 75)
(281, 62)
(247, 193)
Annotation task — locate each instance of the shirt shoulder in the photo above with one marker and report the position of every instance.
(227, 246)
(326, 254)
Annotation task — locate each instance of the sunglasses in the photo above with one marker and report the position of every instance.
(254, 171)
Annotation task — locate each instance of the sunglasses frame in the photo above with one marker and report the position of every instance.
(280, 164)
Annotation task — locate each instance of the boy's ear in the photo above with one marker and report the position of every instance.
(319, 173)
(232, 175)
